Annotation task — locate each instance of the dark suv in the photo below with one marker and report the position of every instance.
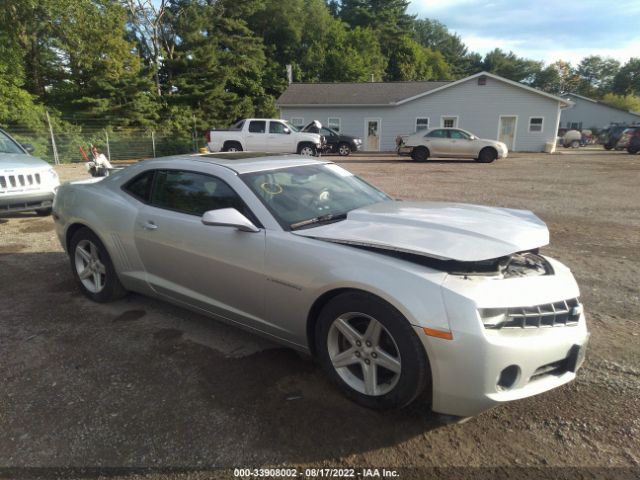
(630, 140)
(611, 136)
(336, 142)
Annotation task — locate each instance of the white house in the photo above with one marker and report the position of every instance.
(487, 105)
(590, 113)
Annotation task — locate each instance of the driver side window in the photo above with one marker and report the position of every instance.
(195, 193)
(277, 127)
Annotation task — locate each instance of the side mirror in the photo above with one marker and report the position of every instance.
(28, 147)
(287, 131)
(229, 217)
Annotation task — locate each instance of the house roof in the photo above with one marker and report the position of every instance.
(598, 102)
(373, 93)
(378, 94)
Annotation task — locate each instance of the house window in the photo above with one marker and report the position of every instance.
(297, 122)
(422, 124)
(535, 124)
(449, 122)
(333, 123)
(575, 125)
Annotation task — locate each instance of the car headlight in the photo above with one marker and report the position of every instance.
(357, 141)
(53, 175)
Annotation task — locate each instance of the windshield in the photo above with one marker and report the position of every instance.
(7, 145)
(292, 127)
(312, 194)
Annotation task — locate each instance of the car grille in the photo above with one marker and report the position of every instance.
(558, 314)
(19, 182)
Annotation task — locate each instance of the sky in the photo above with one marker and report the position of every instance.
(545, 30)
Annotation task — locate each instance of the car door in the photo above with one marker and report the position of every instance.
(280, 138)
(217, 269)
(461, 145)
(438, 142)
(256, 137)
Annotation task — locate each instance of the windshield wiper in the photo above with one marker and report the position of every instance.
(329, 218)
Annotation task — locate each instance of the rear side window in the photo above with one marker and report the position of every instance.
(140, 186)
(258, 126)
(193, 193)
(437, 134)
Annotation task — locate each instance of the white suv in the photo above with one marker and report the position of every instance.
(26, 182)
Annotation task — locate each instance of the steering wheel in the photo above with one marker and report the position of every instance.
(316, 202)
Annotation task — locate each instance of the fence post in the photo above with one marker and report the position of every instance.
(56, 160)
(195, 136)
(153, 143)
(106, 134)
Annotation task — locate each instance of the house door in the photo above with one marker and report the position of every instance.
(507, 131)
(372, 134)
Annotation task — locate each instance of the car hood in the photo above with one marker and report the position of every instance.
(14, 161)
(446, 231)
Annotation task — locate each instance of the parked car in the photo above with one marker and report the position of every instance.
(394, 298)
(630, 140)
(611, 136)
(571, 139)
(26, 182)
(450, 143)
(336, 142)
(264, 135)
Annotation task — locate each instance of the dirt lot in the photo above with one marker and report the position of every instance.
(140, 383)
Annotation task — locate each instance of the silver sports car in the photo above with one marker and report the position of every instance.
(445, 302)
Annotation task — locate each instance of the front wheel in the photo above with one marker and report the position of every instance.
(308, 150)
(487, 155)
(371, 352)
(93, 269)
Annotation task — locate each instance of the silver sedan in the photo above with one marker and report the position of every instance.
(395, 299)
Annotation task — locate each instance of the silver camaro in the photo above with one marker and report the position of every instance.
(445, 302)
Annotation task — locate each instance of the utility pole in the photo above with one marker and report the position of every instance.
(56, 160)
(153, 143)
(106, 134)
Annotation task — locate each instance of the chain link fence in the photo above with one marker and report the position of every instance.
(117, 144)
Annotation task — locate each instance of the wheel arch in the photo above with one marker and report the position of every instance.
(227, 143)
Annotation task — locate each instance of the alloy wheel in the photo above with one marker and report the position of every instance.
(364, 354)
(90, 269)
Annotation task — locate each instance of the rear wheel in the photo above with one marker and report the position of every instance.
(420, 154)
(344, 149)
(487, 155)
(633, 150)
(608, 146)
(92, 267)
(371, 352)
(232, 147)
(44, 212)
(575, 144)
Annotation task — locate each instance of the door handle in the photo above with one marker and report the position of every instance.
(149, 226)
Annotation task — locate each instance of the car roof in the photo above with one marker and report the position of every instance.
(242, 162)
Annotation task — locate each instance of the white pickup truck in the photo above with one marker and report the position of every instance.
(264, 135)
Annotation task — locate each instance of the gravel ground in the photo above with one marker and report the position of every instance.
(140, 383)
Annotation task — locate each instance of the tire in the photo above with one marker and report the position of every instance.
(608, 146)
(420, 154)
(232, 147)
(487, 155)
(308, 150)
(633, 150)
(44, 212)
(102, 283)
(344, 149)
(575, 144)
(397, 346)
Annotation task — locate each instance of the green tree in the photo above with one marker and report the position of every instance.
(509, 65)
(434, 35)
(625, 102)
(627, 80)
(596, 75)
